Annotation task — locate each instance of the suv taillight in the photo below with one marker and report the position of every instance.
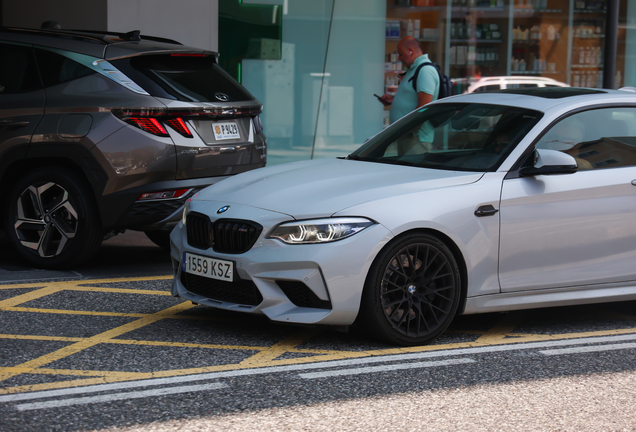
(152, 120)
(148, 124)
(258, 126)
(180, 126)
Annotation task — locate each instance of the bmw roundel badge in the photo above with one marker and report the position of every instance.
(223, 209)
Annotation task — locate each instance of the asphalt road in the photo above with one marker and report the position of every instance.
(106, 347)
(128, 254)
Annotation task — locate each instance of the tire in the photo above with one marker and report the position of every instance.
(160, 238)
(52, 219)
(412, 291)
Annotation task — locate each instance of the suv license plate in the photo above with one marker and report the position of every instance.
(224, 131)
(208, 267)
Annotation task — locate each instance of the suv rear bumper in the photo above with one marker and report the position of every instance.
(151, 214)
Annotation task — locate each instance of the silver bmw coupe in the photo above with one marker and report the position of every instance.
(477, 203)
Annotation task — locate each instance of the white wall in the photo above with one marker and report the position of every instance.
(191, 22)
(71, 14)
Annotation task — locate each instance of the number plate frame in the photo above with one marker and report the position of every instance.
(209, 267)
(225, 131)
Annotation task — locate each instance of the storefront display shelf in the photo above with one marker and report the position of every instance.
(535, 72)
(480, 41)
(529, 12)
(553, 34)
(397, 39)
(415, 8)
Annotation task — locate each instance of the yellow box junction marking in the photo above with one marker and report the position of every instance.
(501, 333)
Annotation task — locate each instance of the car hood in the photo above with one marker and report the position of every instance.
(319, 188)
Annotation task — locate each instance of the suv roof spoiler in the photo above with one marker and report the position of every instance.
(134, 35)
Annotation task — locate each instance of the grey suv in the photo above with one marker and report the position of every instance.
(103, 132)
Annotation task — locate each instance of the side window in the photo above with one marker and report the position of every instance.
(521, 85)
(57, 69)
(598, 139)
(18, 73)
(487, 88)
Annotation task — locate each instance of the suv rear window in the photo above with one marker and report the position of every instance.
(189, 78)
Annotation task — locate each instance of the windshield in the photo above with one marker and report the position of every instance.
(459, 137)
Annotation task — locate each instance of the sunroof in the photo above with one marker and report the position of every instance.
(551, 92)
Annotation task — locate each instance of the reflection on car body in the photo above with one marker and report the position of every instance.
(495, 214)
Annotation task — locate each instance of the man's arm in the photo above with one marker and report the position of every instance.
(423, 99)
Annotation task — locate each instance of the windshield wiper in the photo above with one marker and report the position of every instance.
(355, 157)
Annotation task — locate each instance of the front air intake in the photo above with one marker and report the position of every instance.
(198, 230)
(235, 236)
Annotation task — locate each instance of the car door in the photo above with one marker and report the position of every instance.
(574, 229)
(21, 99)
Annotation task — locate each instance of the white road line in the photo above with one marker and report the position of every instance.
(308, 366)
(587, 349)
(385, 368)
(118, 396)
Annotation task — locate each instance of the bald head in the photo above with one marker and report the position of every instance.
(408, 50)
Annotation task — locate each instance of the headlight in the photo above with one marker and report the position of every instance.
(319, 230)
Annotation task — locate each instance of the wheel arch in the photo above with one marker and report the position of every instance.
(82, 221)
(457, 254)
(22, 166)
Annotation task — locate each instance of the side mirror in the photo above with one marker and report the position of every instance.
(550, 162)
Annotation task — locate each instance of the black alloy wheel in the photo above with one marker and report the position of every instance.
(413, 290)
(52, 219)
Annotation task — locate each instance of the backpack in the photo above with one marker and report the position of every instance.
(445, 85)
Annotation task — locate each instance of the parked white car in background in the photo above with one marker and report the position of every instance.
(512, 82)
(476, 203)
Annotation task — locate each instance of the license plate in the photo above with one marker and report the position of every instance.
(224, 131)
(208, 267)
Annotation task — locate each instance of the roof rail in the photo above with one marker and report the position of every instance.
(55, 33)
(90, 35)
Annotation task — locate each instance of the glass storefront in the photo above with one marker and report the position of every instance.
(318, 98)
(563, 40)
(335, 54)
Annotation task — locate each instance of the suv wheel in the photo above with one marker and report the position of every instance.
(52, 219)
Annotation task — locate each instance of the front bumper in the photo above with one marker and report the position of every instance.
(309, 284)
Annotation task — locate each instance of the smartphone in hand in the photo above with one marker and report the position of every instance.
(381, 99)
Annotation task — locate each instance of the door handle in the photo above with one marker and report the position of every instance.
(485, 210)
(13, 123)
(634, 182)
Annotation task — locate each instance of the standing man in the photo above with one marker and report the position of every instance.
(407, 98)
